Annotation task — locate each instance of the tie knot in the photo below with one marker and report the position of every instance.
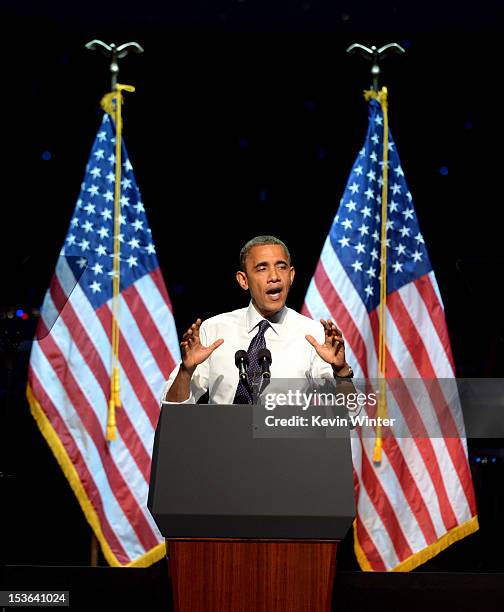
(263, 326)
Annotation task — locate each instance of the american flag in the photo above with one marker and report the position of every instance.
(70, 363)
(420, 499)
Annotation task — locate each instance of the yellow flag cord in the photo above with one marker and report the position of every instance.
(381, 96)
(114, 110)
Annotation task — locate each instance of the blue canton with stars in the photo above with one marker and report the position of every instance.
(355, 233)
(90, 237)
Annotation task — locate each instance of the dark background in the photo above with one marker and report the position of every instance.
(247, 119)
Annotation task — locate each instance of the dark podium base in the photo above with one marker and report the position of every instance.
(252, 575)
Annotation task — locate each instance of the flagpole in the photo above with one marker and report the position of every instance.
(375, 55)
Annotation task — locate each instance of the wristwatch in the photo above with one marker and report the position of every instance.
(347, 376)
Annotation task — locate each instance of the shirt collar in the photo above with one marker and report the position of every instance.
(253, 318)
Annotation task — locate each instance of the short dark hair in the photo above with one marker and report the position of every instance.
(259, 241)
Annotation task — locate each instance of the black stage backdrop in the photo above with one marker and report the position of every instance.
(246, 120)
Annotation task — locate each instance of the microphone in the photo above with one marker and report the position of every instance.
(241, 362)
(264, 359)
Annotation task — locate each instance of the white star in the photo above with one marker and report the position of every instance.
(109, 196)
(101, 250)
(103, 232)
(398, 171)
(122, 219)
(357, 266)
(99, 154)
(124, 201)
(377, 217)
(408, 213)
(390, 145)
(375, 138)
(362, 151)
(95, 286)
(137, 224)
(373, 157)
(364, 229)
(97, 268)
(358, 170)
(139, 207)
(345, 241)
(106, 213)
(112, 274)
(82, 262)
(75, 222)
(351, 205)
(366, 211)
(371, 175)
(419, 238)
(90, 208)
(378, 120)
(400, 248)
(84, 245)
(71, 239)
(360, 248)
(111, 158)
(120, 237)
(375, 236)
(371, 272)
(369, 193)
(380, 182)
(93, 190)
(393, 206)
(397, 266)
(417, 256)
(79, 204)
(132, 261)
(369, 290)
(127, 165)
(110, 177)
(87, 226)
(354, 188)
(390, 224)
(102, 136)
(382, 163)
(396, 188)
(347, 224)
(409, 196)
(374, 254)
(405, 231)
(126, 183)
(95, 172)
(151, 250)
(134, 243)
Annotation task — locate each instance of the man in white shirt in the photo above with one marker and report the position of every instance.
(299, 346)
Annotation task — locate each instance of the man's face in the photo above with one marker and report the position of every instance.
(268, 276)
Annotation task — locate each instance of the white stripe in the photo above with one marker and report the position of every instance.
(160, 313)
(371, 520)
(141, 352)
(420, 316)
(319, 310)
(98, 337)
(435, 286)
(62, 403)
(136, 484)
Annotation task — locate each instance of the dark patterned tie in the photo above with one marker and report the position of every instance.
(243, 393)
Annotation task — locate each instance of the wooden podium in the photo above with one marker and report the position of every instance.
(251, 522)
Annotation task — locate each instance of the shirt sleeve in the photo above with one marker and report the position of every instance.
(199, 379)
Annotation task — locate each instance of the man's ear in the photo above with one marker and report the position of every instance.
(242, 280)
(292, 274)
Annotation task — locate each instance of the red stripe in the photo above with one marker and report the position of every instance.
(436, 313)
(341, 315)
(140, 386)
(149, 330)
(94, 428)
(422, 441)
(158, 279)
(448, 427)
(93, 360)
(410, 490)
(85, 476)
(383, 507)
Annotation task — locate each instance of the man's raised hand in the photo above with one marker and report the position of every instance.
(193, 352)
(333, 349)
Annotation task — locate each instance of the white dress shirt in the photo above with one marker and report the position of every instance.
(293, 357)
